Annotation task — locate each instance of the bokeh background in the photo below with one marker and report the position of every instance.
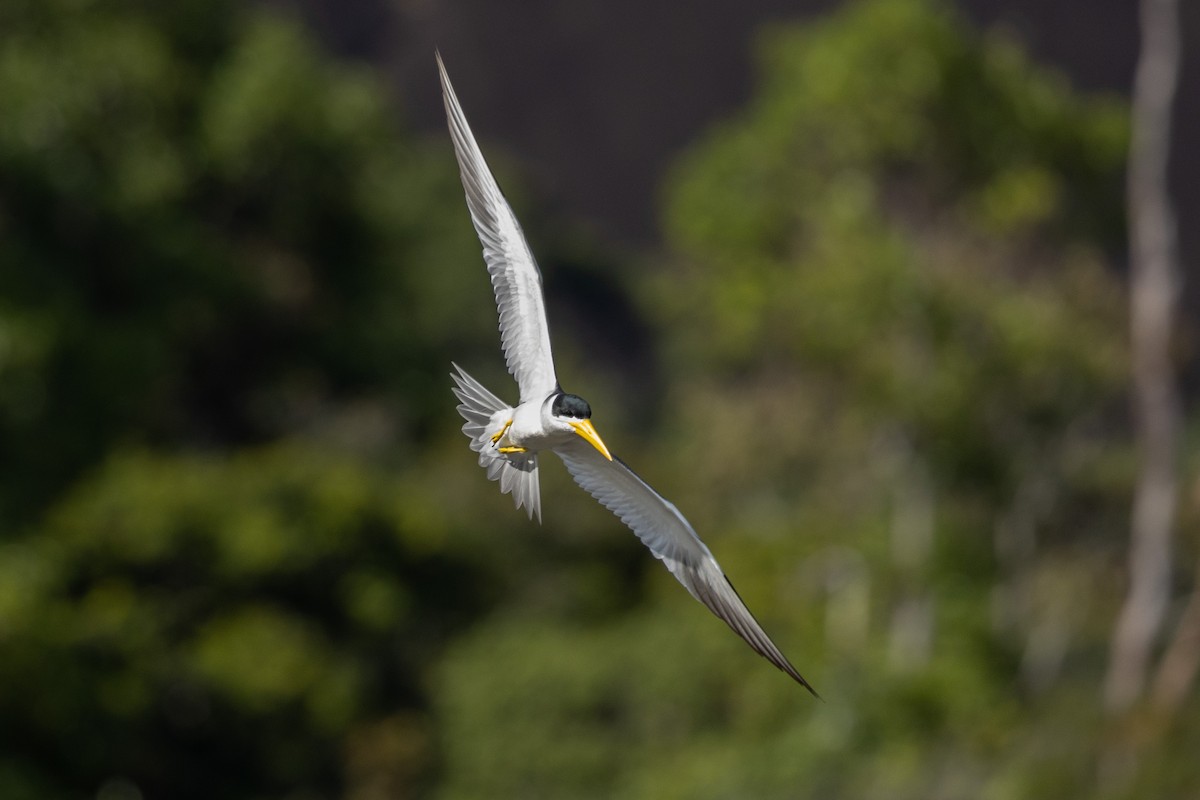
(846, 281)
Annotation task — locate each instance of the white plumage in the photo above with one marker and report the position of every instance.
(508, 439)
(516, 278)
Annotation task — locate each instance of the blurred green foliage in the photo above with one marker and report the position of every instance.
(248, 621)
(202, 222)
(244, 551)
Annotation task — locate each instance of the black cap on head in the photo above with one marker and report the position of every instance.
(571, 405)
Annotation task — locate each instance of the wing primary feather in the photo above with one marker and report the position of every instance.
(516, 279)
(670, 537)
(743, 622)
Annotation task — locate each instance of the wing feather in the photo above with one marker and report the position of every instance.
(516, 279)
(517, 473)
(663, 529)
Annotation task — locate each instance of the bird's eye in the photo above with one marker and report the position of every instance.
(571, 405)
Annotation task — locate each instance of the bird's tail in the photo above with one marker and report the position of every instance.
(517, 472)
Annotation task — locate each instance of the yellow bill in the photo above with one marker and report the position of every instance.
(585, 429)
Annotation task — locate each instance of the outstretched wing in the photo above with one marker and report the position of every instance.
(515, 275)
(660, 526)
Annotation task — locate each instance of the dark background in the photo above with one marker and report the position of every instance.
(594, 97)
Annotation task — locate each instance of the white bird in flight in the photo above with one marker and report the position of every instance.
(508, 440)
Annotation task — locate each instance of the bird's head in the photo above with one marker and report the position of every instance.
(572, 412)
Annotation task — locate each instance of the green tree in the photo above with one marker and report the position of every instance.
(248, 625)
(222, 303)
(209, 234)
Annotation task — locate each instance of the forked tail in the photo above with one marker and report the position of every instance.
(485, 414)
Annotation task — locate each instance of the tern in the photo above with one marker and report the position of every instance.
(509, 439)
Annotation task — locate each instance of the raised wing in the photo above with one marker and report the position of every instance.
(515, 275)
(660, 526)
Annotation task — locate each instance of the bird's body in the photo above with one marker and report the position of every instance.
(509, 438)
(533, 429)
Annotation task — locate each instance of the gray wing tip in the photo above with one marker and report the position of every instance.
(796, 676)
(752, 633)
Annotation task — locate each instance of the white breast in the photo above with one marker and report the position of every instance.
(528, 429)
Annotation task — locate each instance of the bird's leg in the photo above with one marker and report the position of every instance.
(501, 432)
(507, 449)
